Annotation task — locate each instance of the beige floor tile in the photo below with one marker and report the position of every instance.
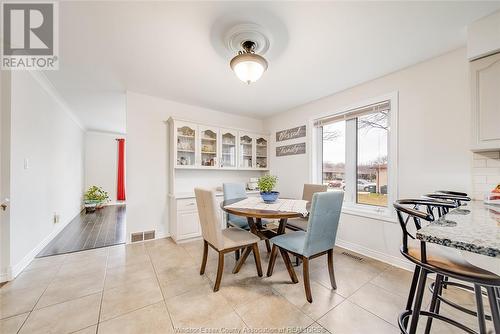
(35, 278)
(88, 255)
(46, 262)
(380, 302)
(315, 328)
(171, 273)
(12, 325)
(172, 288)
(323, 299)
(240, 292)
(118, 276)
(127, 255)
(66, 288)
(394, 279)
(65, 317)
(83, 267)
(226, 321)
(88, 330)
(150, 319)
(129, 297)
(273, 312)
(197, 308)
(14, 302)
(348, 318)
(161, 243)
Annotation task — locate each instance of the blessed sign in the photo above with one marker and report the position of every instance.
(293, 149)
(298, 132)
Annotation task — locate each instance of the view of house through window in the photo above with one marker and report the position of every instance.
(364, 138)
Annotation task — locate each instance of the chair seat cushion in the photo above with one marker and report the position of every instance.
(298, 223)
(450, 260)
(293, 241)
(241, 222)
(235, 237)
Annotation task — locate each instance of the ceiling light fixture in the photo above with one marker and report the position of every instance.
(247, 65)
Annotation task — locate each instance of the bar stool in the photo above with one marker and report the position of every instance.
(443, 262)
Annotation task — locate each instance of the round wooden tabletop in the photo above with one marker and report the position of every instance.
(256, 213)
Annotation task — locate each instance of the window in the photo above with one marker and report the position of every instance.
(355, 153)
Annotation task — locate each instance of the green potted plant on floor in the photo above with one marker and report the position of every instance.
(95, 197)
(266, 185)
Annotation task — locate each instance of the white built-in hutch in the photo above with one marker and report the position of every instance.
(207, 155)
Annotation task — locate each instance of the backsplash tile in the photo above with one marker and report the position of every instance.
(485, 173)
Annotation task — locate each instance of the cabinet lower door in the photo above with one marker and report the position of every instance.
(188, 225)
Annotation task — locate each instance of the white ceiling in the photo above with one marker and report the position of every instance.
(173, 50)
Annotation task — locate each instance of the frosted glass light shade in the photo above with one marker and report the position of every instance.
(248, 67)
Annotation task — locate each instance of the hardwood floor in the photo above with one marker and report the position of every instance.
(104, 227)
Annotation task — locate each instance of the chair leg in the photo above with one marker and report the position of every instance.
(242, 260)
(411, 294)
(418, 301)
(434, 300)
(288, 264)
(268, 245)
(256, 257)
(495, 310)
(330, 269)
(307, 283)
(480, 309)
(205, 256)
(237, 254)
(220, 269)
(272, 260)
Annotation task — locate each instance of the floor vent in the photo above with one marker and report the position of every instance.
(352, 256)
(139, 236)
(148, 235)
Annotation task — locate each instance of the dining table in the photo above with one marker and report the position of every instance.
(255, 210)
(472, 229)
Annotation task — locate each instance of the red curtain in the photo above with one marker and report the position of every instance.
(120, 191)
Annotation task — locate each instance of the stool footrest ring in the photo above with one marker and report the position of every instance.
(404, 315)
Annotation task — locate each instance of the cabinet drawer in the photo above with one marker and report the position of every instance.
(188, 204)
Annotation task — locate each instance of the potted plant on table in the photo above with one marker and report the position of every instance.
(266, 185)
(95, 197)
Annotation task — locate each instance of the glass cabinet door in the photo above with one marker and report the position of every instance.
(261, 152)
(228, 151)
(208, 147)
(186, 144)
(246, 151)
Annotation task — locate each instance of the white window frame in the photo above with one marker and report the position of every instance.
(350, 206)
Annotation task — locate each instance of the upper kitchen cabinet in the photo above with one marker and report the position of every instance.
(485, 97)
(185, 144)
(229, 148)
(209, 146)
(262, 152)
(246, 150)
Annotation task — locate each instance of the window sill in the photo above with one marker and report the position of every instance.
(384, 215)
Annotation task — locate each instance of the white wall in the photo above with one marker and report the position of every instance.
(44, 133)
(483, 36)
(101, 158)
(434, 137)
(147, 156)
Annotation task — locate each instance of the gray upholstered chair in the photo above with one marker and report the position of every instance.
(300, 224)
(222, 241)
(318, 240)
(234, 191)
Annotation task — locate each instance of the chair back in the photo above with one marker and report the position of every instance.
(233, 191)
(209, 220)
(454, 196)
(409, 210)
(323, 222)
(311, 189)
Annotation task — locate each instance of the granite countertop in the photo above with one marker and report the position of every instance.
(474, 228)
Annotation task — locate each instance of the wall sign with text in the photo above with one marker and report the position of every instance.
(293, 149)
(297, 132)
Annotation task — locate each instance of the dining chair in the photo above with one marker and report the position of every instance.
(300, 224)
(235, 191)
(223, 240)
(319, 239)
(444, 262)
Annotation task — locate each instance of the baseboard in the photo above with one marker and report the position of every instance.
(377, 255)
(5, 276)
(19, 267)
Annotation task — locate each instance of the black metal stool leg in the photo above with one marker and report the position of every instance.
(434, 301)
(480, 309)
(237, 254)
(411, 294)
(495, 310)
(418, 301)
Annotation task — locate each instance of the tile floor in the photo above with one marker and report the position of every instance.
(154, 287)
